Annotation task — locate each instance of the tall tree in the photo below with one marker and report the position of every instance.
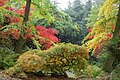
(79, 12)
(114, 44)
(88, 6)
(76, 11)
(21, 40)
(105, 30)
(93, 14)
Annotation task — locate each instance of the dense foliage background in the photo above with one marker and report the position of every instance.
(36, 36)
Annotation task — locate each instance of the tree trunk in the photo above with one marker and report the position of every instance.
(21, 40)
(114, 47)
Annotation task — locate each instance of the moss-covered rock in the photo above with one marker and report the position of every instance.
(56, 60)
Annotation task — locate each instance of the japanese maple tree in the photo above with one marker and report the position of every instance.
(102, 30)
(17, 22)
(106, 32)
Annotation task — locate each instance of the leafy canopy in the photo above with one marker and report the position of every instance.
(13, 16)
(104, 27)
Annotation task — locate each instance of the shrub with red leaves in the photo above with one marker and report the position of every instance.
(2, 2)
(48, 36)
(47, 33)
(20, 12)
(14, 33)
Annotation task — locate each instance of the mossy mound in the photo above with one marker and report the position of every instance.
(56, 60)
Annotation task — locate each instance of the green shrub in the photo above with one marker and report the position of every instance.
(93, 71)
(5, 41)
(7, 58)
(56, 60)
(115, 74)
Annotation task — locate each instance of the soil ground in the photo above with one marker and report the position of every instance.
(36, 77)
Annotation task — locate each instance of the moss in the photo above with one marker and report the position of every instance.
(56, 60)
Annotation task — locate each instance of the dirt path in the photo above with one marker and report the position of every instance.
(35, 77)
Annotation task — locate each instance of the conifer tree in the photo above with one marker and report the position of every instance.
(93, 14)
(79, 12)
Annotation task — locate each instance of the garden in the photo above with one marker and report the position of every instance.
(41, 41)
